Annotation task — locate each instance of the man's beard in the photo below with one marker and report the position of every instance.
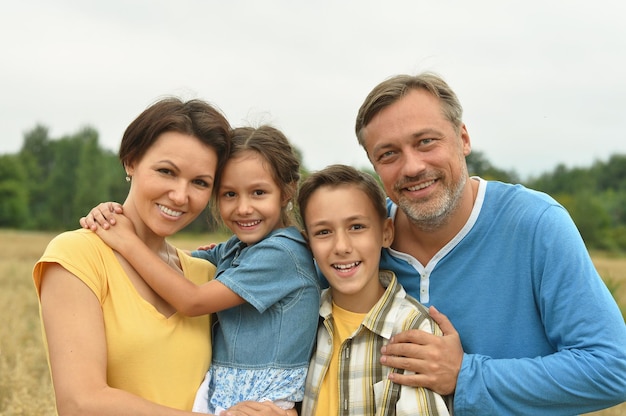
(435, 213)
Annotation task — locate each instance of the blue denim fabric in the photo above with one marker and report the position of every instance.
(277, 278)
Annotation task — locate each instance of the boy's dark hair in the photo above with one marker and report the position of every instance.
(335, 176)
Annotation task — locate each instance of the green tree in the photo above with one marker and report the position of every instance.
(114, 174)
(92, 184)
(565, 180)
(478, 165)
(611, 174)
(590, 216)
(75, 172)
(13, 193)
(37, 158)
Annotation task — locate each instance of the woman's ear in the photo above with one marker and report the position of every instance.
(130, 169)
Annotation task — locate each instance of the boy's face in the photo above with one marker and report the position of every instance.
(346, 236)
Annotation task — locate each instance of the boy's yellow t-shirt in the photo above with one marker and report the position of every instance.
(345, 323)
(162, 359)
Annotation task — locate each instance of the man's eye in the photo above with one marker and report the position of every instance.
(386, 155)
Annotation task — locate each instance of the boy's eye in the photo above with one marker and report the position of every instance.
(357, 227)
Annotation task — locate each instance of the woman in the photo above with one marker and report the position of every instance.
(114, 346)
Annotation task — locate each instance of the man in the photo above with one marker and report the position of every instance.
(532, 328)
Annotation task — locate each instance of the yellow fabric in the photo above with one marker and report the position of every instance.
(160, 359)
(345, 324)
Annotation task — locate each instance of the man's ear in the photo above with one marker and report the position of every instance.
(465, 140)
(387, 232)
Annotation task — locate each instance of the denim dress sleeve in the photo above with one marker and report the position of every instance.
(270, 270)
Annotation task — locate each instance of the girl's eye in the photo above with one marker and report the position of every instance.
(165, 171)
(322, 232)
(229, 194)
(259, 192)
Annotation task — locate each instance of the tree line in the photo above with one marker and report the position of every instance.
(51, 182)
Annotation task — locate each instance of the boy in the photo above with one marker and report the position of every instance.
(345, 220)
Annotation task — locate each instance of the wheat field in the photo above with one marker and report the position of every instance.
(25, 386)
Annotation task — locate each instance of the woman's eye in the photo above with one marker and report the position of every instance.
(202, 183)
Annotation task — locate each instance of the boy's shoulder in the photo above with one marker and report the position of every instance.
(402, 310)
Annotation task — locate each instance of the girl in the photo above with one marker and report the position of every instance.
(265, 293)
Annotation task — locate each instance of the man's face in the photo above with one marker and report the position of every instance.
(419, 157)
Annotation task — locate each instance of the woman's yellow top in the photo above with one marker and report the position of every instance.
(162, 359)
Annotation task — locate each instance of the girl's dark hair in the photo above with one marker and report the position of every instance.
(280, 157)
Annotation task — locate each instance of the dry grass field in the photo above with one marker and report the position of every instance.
(25, 387)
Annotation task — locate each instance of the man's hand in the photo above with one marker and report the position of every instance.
(435, 360)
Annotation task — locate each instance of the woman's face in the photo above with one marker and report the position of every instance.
(171, 184)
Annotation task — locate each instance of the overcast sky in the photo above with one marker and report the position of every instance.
(542, 82)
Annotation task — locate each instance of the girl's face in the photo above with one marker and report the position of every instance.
(171, 184)
(250, 201)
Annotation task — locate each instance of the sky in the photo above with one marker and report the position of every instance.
(542, 83)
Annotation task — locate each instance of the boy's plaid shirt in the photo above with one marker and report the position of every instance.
(364, 388)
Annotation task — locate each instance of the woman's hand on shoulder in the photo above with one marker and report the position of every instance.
(101, 216)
